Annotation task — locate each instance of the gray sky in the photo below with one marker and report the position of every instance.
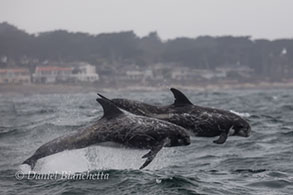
(170, 18)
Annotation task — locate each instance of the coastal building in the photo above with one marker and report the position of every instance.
(185, 74)
(81, 72)
(139, 74)
(51, 74)
(15, 75)
(85, 73)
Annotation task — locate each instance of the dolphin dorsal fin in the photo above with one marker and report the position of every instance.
(110, 109)
(180, 98)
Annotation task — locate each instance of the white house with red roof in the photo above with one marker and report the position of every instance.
(81, 72)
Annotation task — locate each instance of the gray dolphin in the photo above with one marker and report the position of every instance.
(201, 121)
(120, 127)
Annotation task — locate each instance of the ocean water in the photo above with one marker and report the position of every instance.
(259, 164)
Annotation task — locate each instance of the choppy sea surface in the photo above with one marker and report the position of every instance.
(259, 164)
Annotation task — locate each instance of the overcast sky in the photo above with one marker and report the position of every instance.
(170, 18)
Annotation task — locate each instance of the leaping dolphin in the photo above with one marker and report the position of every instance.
(201, 121)
(120, 127)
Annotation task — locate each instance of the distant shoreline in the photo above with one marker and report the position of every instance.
(28, 89)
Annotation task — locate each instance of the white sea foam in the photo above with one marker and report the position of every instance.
(245, 114)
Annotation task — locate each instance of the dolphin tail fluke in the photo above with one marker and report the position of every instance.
(180, 98)
(110, 109)
(152, 154)
(31, 162)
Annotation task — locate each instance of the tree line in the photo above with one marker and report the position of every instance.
(271, 58)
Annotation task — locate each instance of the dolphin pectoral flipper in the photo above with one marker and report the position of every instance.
(223, 137)
(152, 154)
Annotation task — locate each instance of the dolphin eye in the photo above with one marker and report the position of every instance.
(241, 125)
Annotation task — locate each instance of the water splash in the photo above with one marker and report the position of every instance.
(98, 158)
